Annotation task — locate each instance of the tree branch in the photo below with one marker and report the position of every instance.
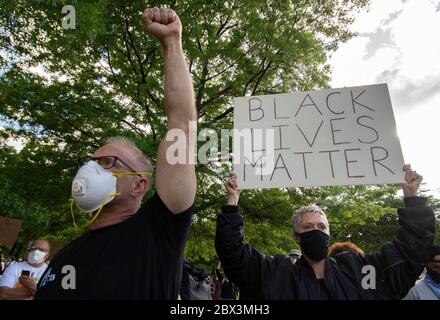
(216, 96)
(261, 77)
(202, 85)
(224, 114)
(253, 78)
(141, 69)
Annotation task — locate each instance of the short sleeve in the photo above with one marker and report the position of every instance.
(9, 277)
(170, 229)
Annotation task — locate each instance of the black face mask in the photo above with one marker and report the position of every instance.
(314, 244)
(435, 276)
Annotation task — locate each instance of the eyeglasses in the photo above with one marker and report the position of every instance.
(107, 162)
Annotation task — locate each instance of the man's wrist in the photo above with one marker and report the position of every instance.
(171, 42)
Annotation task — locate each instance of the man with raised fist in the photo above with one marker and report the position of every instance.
(133, 251)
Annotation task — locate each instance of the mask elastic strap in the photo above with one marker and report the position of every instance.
(71, 211)
(102, 206)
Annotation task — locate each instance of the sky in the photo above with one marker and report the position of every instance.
(397, 42)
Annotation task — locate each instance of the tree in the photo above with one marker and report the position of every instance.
(63, 91)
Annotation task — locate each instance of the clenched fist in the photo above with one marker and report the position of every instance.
(412, 181)
(162, 23)
(232, 189)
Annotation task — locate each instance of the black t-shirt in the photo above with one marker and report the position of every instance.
(140, 258)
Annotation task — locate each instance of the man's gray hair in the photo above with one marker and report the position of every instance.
(312, 208)
(141, 158)
(31, 243)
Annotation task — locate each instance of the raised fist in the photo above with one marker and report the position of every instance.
(412, 181)
(232, 189)
(162, 23)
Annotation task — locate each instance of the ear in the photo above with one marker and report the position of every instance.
(140, 186)
(296, 237)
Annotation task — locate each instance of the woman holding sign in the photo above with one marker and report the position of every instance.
(387, 274)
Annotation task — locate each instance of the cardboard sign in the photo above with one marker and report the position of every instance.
(56, 246)
(9, 229)
(343, 136)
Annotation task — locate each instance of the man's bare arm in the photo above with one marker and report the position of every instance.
(175, 183)
(7, 293)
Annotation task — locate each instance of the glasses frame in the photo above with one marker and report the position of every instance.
(115, 159)
(37, 248)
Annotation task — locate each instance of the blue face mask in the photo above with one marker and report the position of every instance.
(435, 276)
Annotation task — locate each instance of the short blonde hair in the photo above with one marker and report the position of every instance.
(312, 208)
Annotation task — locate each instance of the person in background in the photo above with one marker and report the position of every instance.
(223, 288)
(19, 280)
(341, 247)
(428, 288)
(196, 284)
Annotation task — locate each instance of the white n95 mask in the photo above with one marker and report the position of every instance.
(93, 187)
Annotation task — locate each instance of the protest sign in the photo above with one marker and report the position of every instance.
(9, 229)
(343, 136)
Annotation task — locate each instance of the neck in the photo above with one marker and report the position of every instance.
(317, 266)
(114, 214)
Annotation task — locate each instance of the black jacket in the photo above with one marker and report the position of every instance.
(397, 265)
